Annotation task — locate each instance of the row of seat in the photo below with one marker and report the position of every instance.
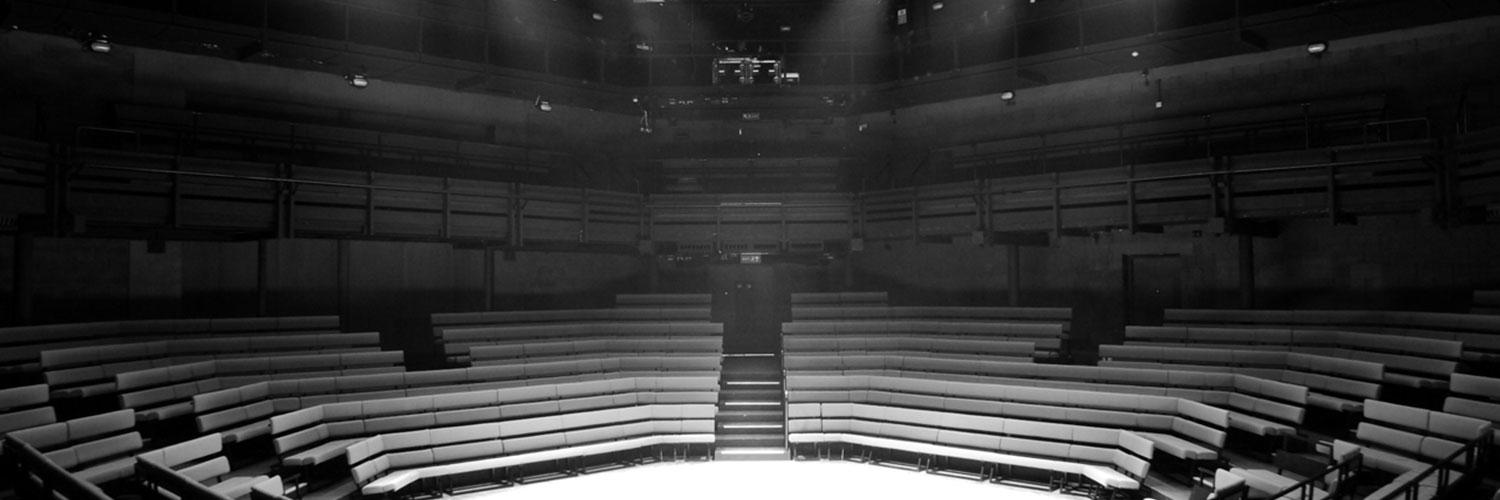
(713, 346)
(1475, 396)
(663, 300)
(457, 342)
(800, 299)
(167, 392)
(1414, 362)
(312, 436)
(244, 413)
(1406, 441)
(1114, 459)
(1048, 338)
(25, 406)
(97, 448)
(1258, 406)
(201, 460)
(387, 463)
(90, 371)
(913, 362)
(1334, 383)
(1062, 315)
(608, 361)
(639, 313)
(22, 346)
(933, 344)
(1479, 333)
(1185, 429)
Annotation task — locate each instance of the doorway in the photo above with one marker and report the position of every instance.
(751, 302)
(1153, 284)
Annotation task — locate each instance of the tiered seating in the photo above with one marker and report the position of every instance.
(1112, 459)
(1046, 315)
(458, 342)
(80, 372)
(201, 461)
(1046, 339)
(664, 300)
(862, 299)
(25, 407)
(387, 463)
(1486, 302)
(670, 353)
(21, 347)
(1475, 396)
(1406, 442)
(97, 448)
(166, 392)
(1480, 333)
(243, 413)
(34, 476)
(1333, 383)
(1418, 363)
(1184, 429)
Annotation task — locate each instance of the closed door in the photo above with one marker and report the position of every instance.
(747, 298)
(1153, 283)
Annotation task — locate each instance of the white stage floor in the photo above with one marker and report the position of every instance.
(730, 480)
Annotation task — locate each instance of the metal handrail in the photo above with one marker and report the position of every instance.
(1475, 455)
(1307, 488)
(53, 478)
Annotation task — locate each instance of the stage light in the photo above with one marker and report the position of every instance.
(542, 105)
(1317, 48)
(1135, 53)
(357, 80)
(1008, 96)
(97, 44)
(597, 16)
(1160, 104)
(786, 28)
(937, 5)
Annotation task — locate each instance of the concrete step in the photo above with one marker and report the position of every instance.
(769, 453)
(753, 440)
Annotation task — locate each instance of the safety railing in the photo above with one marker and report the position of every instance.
(1471, 461)
(1336, 475)
(50, 480)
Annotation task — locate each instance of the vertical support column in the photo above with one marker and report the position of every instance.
(1247, 270)
(653, 273)
(489, 278)
(448, 206)
(174, 210)
(23, 283)
(370, 203)
(262, 277)
(345, 291)
(1013, 273)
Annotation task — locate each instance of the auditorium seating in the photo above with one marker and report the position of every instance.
(97, 448)
(1047, 338)
(243, 413)
(1047, 315)
(863, 299)
(25, 407)
(1475, 396)
(1418, 363)
(81, 372)
(200, 460)
(21, 347)
(1480, 333)
(456, 343)
(1405, 442)
(663, 300)
(1333, 383)
(971, 348)
(680, 353)
(1112, 459)
(166, 392)
(1187, 430)
(388, 463)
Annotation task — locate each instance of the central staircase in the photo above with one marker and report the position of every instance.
(752, 409)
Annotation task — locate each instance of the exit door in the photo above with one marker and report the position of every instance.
(1153, 284)
(752, 308)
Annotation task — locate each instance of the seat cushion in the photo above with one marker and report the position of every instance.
(1179, 447)
(319, 454)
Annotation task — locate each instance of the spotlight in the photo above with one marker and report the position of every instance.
(1135, 53)
(357, 80)
(1317, 48)
(937, 5)
(1160, 104)
(598, 16)
(543, 105)
(786, 28)
(863, 127)
(1009, 96)
(97, 43)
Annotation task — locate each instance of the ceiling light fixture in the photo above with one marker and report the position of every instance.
(597, 16)
(1009, 96)
(937, 5)
(1317, 48)
(542, 105)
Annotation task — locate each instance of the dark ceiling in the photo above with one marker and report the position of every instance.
(602, 49)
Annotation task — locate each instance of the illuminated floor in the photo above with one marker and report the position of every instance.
(731, 480)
